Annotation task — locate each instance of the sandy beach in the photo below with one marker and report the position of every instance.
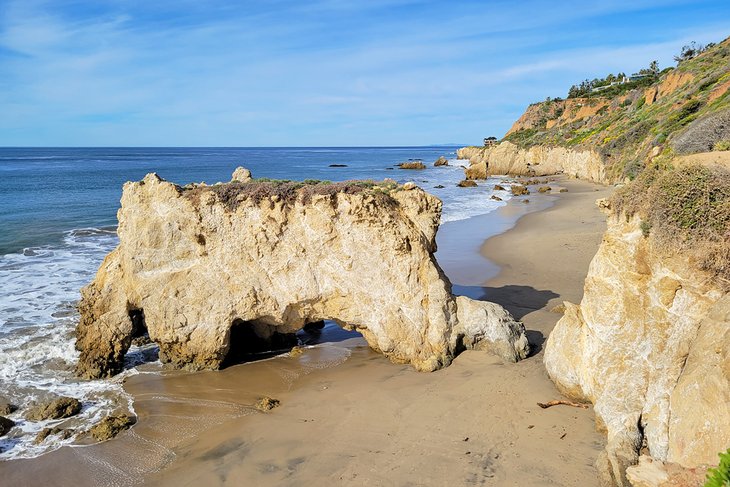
(348, 416)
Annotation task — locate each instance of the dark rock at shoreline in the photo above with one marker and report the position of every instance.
(5, 425)
(62, 407)
(544, 189)
(111, 426)
(441, 161)
(495, 198)
(388, 168)
(563, 190)
(6, 408)
(497, 187)
(518, 190)
(525, 200)
(314, 326)
(467, 183)
(338, 165)
(439, 186)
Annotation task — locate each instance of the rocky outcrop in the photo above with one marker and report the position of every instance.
(441, 161)
(111, 426)
(507, 158)
(58, 408)
(649, 347)
(211, 271)
(5, 425)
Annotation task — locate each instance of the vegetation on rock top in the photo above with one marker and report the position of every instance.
(625, 122)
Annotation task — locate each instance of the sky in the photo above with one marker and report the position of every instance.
(315, 73)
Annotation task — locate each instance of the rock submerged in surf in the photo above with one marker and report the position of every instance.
(5, 425)
(59, 408)
(7, 408)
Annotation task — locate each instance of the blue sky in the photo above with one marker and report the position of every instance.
(325, 72)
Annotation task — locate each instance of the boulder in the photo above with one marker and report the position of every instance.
(242, 175)
(111, 426)
(495, 198)
(519, 190)
(61, 407)
(5, 425)
(412, 165)
(467, 183)
(6, 408)
(212, 272)
(441, 161)
(267, 403)
(409, 186)
(544, 189)
(498, 187)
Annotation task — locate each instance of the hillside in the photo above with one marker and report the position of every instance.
(685, 110)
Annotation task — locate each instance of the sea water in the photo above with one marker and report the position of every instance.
(57, 222)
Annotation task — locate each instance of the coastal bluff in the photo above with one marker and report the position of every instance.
(508, 158)
(648, 346)
(210, 272)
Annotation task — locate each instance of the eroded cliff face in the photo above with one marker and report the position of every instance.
(213, 270)
(507, 158)
(649, 346)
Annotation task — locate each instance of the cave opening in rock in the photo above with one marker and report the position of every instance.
(144, 349)
(254, 340)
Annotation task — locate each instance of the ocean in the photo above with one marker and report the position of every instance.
(57, 222)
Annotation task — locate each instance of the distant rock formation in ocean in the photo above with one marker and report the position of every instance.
(211, 271)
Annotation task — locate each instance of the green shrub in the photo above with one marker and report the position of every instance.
(640, 102)
(720, 476)
(721, 145)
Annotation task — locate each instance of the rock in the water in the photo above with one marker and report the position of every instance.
(519, 190)
(7, 408)
(441, 161)
(5, 425)
(267, 403)
(62, 407)
(111, 426)
(544, 189)
(65, 434)
(212, 271)
(495, 198)
(439, 186)
(338, 165)
(498, 187)
(563, 190)
(412, 165)
(647, 346)
(242, 175)
(467, 183)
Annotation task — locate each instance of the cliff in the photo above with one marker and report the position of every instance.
(622, 130)
(211, 272)
(648, 344)
(508, 158)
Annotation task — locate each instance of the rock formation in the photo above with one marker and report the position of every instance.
(209, 271)
(507, 158)
(649, 346)
(61, 407)
(441, 161)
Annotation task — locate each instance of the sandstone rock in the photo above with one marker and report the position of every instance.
(544, 189)
(655, 473)
(518, 190)
(604, 204)
(441, 161)
(111, 426)
(466, 184)
(412, 165)
(647, 347)
(242, 175)
(563, 190)
(267, 403)
(409, 186)
(214, 271)
(5, 425)
(525, 201)
(507, 158)
(62, 407)
(497, 187)
(46, 432)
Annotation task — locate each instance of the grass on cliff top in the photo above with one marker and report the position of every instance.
(233, 193)
(685, 210)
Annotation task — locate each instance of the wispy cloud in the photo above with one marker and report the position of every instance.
(312, 73)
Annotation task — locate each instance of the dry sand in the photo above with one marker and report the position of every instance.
(350, 417)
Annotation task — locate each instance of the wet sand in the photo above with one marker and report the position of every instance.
(350, 417)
